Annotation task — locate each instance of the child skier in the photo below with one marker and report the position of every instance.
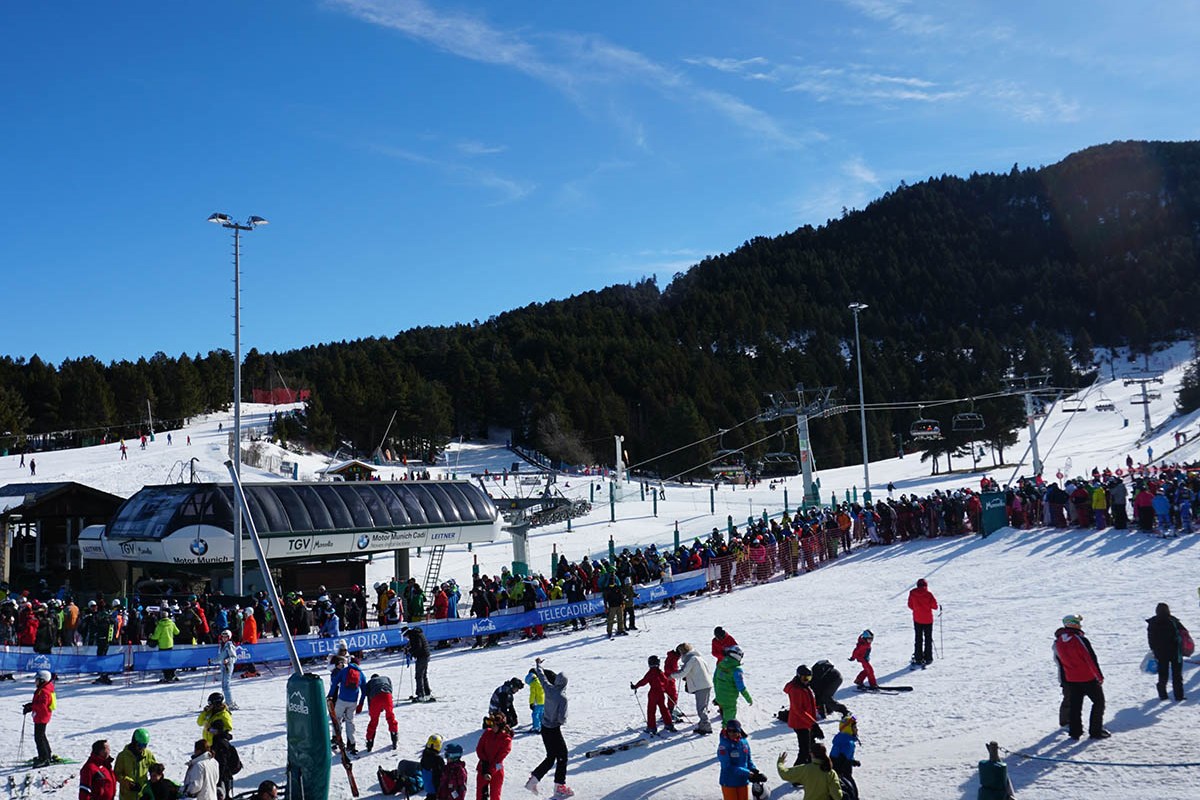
(432, 765)
(737, 766)
(728, 683)
(844, 744)
(494, 744)
(537, 702)
(862, 654)
(454, 777)
(670, 670)
(655, 697)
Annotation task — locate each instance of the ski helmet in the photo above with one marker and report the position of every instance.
(225, 635)
(866, 634)
(454, 752)
(849, 724)
(216, 697)
(803, 671)
(43, 676)
(1073, 621)
(141, 736)
(434, 742)
(653, 661)
(733, 726)
(735, 652)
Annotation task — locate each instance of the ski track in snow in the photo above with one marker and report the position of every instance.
(1003, 597)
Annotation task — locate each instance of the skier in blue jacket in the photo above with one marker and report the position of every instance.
(737, 766)
(347, 689)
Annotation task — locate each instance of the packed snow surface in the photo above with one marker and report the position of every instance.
(993, 678)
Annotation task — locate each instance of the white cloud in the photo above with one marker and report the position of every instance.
(472, 148)
(509, 189)
(571, 63)
(857, 168)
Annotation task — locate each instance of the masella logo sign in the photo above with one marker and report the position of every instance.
(483, 626)
(296, 704)
(994, 502)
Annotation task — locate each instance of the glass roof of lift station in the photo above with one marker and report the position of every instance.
(316, 507)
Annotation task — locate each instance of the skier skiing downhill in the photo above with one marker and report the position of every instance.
(728, 683)
(655, 697)
(696, 681)
(862, 654)
(923, 604)
(1081, 678)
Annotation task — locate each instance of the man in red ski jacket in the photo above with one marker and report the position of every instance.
(1081, 677)
(923, 604)
(720, 642)
(96, 779)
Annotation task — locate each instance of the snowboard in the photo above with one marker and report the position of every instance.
(885, 688)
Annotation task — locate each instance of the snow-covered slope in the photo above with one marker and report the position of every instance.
(1003, 598)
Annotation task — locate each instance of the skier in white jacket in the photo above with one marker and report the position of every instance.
(697, 680)
(202, 775)
(227, 655)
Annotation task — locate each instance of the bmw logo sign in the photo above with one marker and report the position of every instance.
(364, 542)
(198, 547)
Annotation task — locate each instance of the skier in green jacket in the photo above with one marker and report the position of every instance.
(728, 683)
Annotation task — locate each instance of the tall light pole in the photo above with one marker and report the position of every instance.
(862, 405)
(225, 221)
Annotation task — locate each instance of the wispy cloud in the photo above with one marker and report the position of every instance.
(898, 15)
(857, 168)
(1032, 105)
(569, 62)
(509, 189)
(473, 148)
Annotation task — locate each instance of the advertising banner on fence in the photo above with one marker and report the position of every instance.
(69, 660)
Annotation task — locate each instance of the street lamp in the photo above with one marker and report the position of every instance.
(250, 224)
(862, 405)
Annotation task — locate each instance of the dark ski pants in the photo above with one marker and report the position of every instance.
(1077, 690)
(923, 642)
(43, 744)
(803, 746)
(422, 677)
(1145, 515)
(1175, 666)
(556, 755)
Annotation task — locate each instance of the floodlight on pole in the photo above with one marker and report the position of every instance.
(225, 221)
(862, 404)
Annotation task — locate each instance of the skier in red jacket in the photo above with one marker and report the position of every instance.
(1081, 677)
(96, 779)
(494, 745)
(862, 654)
(656, 698)
(923, 604)
(802, 711)
(721, 641)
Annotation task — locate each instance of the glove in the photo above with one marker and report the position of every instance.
(851, 658)
(486, 768)
(757, 777)
(856, 763)
(27, 708)
(633, 686)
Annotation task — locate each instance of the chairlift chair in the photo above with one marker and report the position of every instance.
(1153, 395)
(925, 429)
(1104, 404)
(1073, 406)
(967, 421)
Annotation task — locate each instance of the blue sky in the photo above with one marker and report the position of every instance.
(429, 163)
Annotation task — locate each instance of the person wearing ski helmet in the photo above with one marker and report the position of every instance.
(132, 767)
(42, 707)
(845, 741)
(802, 710)
(656, 696)
(453, 785)
(862, 654)
(432, 764)
(728, 683)
(737, 765)
(1081, 677)
(216, 711)
(495, 743)
(923, 604)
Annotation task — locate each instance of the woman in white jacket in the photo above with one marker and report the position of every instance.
(202, 775)
(697, 680)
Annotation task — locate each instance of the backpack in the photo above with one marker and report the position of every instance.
(350, 681)
(400, 781)
(1185, 641)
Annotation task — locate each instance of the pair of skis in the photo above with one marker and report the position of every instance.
(341, 746)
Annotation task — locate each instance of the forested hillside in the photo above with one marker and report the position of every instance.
(968, 280)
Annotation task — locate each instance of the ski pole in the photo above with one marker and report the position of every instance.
(941, 635)
(21, 744)
(204, 685)
(637, 701)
